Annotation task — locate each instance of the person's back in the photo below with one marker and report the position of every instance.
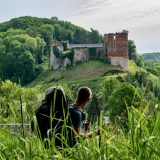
(77, 116)
(53, 118)
(62, 121)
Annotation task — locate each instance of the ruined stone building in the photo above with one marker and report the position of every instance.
(114, 48)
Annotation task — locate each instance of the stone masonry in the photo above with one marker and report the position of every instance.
(117, 48)
(114, 48)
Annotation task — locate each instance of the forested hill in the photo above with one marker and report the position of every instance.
(152, 56)
(62, 30)
(25, 44)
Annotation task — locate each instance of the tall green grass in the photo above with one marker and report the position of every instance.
(140, 142)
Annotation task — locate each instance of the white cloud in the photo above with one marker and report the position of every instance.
(140, 17)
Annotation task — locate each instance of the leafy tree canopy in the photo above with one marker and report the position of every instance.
(25, 42)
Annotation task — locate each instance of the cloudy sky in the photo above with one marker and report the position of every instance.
(140, 17)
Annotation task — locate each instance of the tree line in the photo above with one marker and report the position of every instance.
(25, 44)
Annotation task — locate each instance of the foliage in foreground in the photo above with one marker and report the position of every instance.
(141, 141)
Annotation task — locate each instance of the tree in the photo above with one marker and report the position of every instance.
(133, 53)
(56, 31)
(54, 18)
(95, 36)
(32, 32)
(77, 35)
(15, 48)
(46, 32)
(9, 68)
(2, 49)
(126, 95)
(132, 49)
(40, 50)
(26, 67)
(30, 44)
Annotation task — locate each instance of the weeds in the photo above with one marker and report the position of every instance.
(141, 141)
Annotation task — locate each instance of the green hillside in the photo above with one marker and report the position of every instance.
(130, 99)
(152, 56)
(25, 47)
(25, 44)
(92, 69)
(58, 29)
(81, 72)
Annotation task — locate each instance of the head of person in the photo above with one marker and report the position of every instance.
(84, 94)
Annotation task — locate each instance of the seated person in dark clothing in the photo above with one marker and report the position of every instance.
(84, 94)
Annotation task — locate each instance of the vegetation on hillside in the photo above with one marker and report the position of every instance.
(132, 52)
(130, 100)
(152, 63)
(29, 38)
(25, 44)
(61, 30)
(155, 57)
(93, 69)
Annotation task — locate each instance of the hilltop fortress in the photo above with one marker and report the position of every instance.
(114, 48)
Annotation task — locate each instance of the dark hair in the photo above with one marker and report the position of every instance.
(84, 94)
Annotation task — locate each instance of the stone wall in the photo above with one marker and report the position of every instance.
(115, 48)
(55, 62)
(80, 55)
(117, 44)
(100, 53)
(119, 61)
(66, 62)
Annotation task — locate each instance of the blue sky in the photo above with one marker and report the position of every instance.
(140, 17)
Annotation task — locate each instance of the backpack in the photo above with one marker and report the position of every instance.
(53, 118)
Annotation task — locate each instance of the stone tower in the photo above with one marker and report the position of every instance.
(117, 48)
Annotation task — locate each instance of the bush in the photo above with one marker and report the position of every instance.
(68, 54)
(126, 95)
(107, 87)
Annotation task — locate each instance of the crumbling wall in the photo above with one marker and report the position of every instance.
(100, 53)
(119, 61)
(80, 55)
(117, 48)
(55, 62)
(66, 62)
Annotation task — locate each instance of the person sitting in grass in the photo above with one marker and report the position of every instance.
(84, 95)
(51, 117)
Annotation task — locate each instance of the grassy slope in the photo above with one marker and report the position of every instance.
(133, 68)
(141, 142)
(88, 71)
(91, 74)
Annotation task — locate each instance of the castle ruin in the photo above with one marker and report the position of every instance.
(114, 48)
(117, 48)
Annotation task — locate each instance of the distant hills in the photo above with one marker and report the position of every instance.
(155, 56)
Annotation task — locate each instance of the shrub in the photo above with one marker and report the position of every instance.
(68, 54)
(125, 95)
